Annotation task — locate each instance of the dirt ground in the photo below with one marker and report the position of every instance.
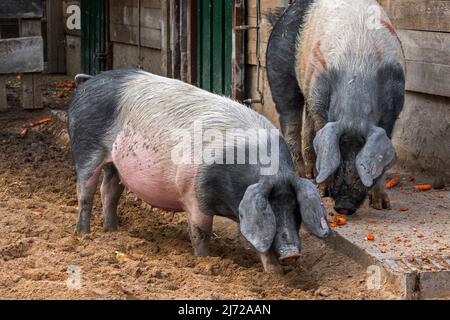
(150, 257)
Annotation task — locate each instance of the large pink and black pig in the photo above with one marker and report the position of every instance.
(145, 133)
(337, 75)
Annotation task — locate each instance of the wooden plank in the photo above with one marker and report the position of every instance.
(30, 27)
(419, 14)
(150, 38)
(56, 50)
(425, 46)
(184, 32)
(150, 17)
(19, 55)
(152, 4)
(191, 40)
(228, 48)
(3, 101)
(217, 46)
(428, 78)
(238, 55)
(175, 37)
(31, 91)
(21, 9)
(165, 39)
(206, 45)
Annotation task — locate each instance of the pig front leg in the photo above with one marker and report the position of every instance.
(200, 230)
(270, 262)
(111, 190)
(378, 197)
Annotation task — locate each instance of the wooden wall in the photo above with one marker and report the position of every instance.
(124, 34)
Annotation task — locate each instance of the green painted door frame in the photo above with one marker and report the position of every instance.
(93, 36)
(214, 45)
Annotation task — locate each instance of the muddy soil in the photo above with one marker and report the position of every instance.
(150, 257)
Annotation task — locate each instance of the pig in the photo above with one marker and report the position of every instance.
(336, 71)
(129, 123)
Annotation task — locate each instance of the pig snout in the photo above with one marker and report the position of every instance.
(345, 210)
(287, 246)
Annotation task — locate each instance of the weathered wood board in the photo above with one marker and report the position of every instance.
(433, 47)
(426, 15)
(431, 78)
(18, 55)
(31, 91)
(125, 19)
(20, 8)
(3, 102)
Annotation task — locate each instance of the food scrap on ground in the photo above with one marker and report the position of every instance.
(370, 237)
(422, 187)
(25, 130)
(340, 220)
(392, 183)
(403, 209)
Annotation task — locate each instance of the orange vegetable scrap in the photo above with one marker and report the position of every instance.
(370, 237)
(333, 224)
(392, 183)
(403, 209)
(39, 122)
(18, 77)
(340, 220)
(422, 187)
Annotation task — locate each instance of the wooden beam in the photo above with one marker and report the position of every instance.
(191, 37)
(165, 39)
(31, 91)
(3, 100)
(425, 46)
(175, 37)
(238, 58)
(19, 55)
(56, 50)
(425, 15)
(428, 78)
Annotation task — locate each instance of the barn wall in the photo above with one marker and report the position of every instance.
(124, 34)
(422, 135)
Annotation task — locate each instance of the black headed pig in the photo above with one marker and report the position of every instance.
(181, 148)
(336, 72)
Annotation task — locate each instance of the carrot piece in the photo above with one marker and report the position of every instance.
(422, 187)
(39, 122)
(403, 209)
(333, 224)
(370, 237)
(392, 183)
(340, 220)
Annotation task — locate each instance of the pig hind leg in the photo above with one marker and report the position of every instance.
(111, 190)
(87, 181)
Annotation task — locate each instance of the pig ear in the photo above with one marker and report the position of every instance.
(257, 220)
(312, 210)
(377, 154)
(326, 146)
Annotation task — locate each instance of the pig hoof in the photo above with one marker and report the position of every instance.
(274, 268)
(82, 229)
(201, 252)
(110, 228)
(379, 200)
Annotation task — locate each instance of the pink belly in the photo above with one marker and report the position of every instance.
(146, 171)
